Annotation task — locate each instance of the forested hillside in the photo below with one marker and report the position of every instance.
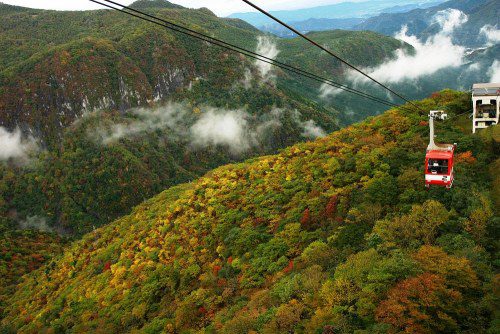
(360, 47)
(338, 235)
(102, 60)
(106, 163)
(120, 108)
(22, 251)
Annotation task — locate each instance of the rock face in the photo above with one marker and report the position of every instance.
(48, 93)
(119, 65)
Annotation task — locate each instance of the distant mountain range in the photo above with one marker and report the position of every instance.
(385, 17)
(419, 21)
(312, 24)
(306, 18)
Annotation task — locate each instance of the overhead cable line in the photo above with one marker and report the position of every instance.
(240, 50)
(328, 51)
(251, 54)
(469, 112)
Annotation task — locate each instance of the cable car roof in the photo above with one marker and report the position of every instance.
(437, 154)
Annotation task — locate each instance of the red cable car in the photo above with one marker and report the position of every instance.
(439, 157)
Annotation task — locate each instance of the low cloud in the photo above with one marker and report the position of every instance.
(266, 74)
(198, 127)
(436, 53)
(233, 129)
(473, 67)
(35, 223)
(491, 33)
(204, 127)
(144, 120)
(266, 47)
(228, 128)
(268, 123)
(312, 130)
(450, 19)
(14, 146)
(326, 91)
(494, 71)
(309, 127)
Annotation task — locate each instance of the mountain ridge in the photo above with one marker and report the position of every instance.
(322, 24)
(143, 4)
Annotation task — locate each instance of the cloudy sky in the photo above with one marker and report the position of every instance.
(220, 7)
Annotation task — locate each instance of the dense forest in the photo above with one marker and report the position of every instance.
(336, 235)
(22, 251)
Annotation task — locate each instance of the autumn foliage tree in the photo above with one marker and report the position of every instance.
(479, 218)
(419, 226)
(457, 271)
(421, 305)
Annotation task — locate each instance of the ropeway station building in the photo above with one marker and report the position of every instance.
(485, 99)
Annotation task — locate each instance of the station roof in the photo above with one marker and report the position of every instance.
(486, 89)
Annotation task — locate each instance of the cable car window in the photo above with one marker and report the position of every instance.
(437, 166)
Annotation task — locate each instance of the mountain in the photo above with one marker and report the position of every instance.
(4, 8)
(365, 48)
(338, 235)
(341, 10)
(47, 77)
(408, 7)
(104, 60)
(148, 4)
(420, 23)
(122, 109)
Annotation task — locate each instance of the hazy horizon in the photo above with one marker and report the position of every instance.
(219, 7)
